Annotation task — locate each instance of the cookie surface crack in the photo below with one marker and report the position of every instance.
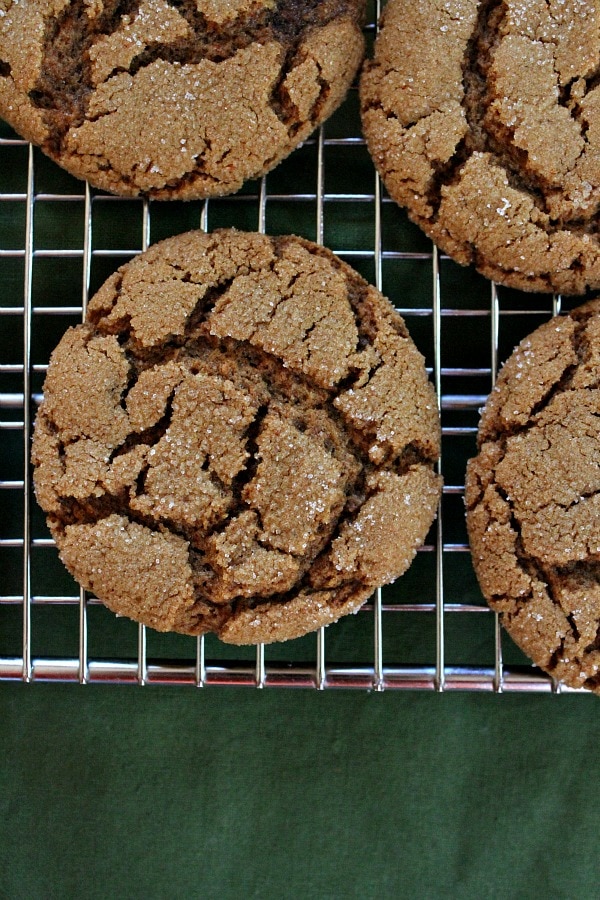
(532, 497)
(66, 83)
(494, 148)
(214, 455)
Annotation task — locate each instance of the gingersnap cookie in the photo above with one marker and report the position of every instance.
(239, 439)
(533, 497)
(483, 119)
(174, 98)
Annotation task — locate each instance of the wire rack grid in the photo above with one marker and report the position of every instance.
(59, 240)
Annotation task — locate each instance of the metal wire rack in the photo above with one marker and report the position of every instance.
(59, 240)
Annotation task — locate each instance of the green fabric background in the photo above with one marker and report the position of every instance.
(168, 793)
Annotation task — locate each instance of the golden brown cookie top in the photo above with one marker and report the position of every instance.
(249, 420)
(484, 121)
(533, 497)
(174, 100)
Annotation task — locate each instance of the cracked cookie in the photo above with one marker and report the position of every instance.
(174, 98)
(533, 497)
(239, 439)
(483, 119)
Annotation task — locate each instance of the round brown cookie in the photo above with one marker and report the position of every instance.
(533, 497)
(483, 119)
(174, 98)
(239, 439)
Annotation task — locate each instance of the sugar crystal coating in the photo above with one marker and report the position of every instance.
(239, 439)
(533, 497)
(170, 99)
(483, 118)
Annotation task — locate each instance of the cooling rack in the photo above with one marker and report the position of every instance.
(59, 241)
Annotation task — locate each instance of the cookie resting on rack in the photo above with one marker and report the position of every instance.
(483, 118)
(240, 439)
(174, 98)
(533, 497)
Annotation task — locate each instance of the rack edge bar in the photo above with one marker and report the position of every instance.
(464, 678)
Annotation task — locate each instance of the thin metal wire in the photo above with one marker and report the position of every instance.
(495, 342)
(320, 185)
(556, 304)
(200, 671)
(142, 638)
(440, 661)
(204, 216)
(378, 675)
(85, 290)
(27, 291)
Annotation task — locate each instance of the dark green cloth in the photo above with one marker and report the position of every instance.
(170, 792)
